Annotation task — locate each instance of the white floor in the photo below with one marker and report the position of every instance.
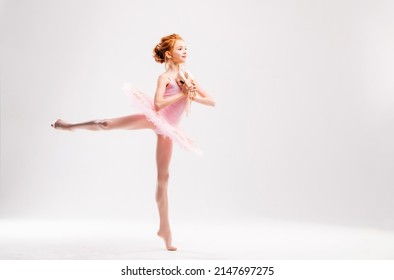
(258, 239)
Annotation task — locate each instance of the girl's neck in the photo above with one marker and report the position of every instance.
(173, 67)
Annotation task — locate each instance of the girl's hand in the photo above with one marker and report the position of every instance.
(185, 89)
(192, 91)
(183, 86)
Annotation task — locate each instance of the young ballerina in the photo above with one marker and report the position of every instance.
(162, 115)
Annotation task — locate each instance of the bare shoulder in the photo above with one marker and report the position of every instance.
(162, 79)
(163, 76)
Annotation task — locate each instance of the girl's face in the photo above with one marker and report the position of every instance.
(179, 53)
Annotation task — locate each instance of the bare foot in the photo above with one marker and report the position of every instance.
(60, 124)
(167, 239)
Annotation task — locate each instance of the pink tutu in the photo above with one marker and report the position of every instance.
(167, 119)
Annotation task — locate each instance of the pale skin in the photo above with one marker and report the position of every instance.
(174, 59)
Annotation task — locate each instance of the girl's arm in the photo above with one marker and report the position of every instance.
(160, 101)
(202, 96)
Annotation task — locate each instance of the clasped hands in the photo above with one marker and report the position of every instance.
(190, 91)
(186, 83)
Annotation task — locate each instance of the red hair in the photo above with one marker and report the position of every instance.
(167, 43)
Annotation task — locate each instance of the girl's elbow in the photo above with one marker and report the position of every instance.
(209, 103)
(158, 106)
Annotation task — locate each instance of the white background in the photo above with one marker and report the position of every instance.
(303, 127)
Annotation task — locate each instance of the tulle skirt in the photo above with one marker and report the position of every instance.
(162, 126)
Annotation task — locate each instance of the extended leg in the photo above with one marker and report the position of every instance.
(163, 157)
(127, 122)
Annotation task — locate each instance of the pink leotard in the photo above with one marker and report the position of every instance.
(166, 120)
(173, 113)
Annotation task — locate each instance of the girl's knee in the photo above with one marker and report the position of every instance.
(163, 178)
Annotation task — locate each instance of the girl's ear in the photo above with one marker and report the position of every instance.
(168, 54)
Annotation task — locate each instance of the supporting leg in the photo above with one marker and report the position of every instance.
(163, 157)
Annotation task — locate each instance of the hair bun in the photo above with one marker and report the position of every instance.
(158, 54)
(167, 43)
